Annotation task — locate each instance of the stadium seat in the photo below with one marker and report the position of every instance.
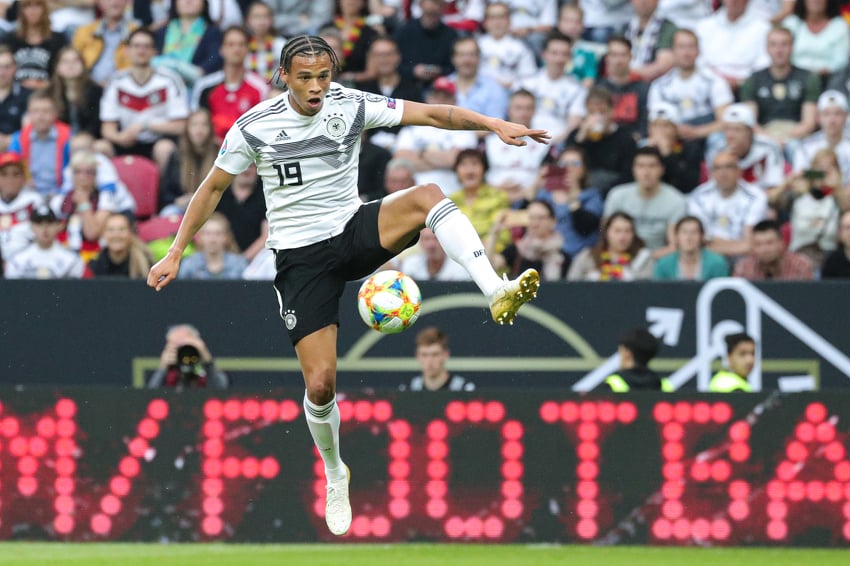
(141, 175)
(159, 227)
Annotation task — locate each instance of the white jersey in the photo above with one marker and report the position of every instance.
(533, 13)
(162, 98)
(726, 217)
(513, 164)
(606, 13)
(15, 230)
(557, 101)
(684, 13)
(810, 145)
(764, 165)
(308, 164)
(55, 262)
(507, 59)
(421, 138)
(735, 49)
(696, 97)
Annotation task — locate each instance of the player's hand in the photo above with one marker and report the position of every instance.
(510, 133)
(164, 271)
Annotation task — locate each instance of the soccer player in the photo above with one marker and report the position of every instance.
(305, 143)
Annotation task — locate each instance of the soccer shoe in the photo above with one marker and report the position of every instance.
(512, 294)
(337, 506)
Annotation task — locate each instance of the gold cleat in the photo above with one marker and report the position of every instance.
(508, 298)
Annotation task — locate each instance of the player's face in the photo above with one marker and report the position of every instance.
(309, 79)
(647, 171)
(432, 359)
(11, 182)
(620, 235)
(742, 358)
(767, 247)
(688, 237)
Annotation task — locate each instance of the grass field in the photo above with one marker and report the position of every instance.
(405, 555)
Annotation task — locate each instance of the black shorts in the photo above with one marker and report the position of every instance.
(310, 280)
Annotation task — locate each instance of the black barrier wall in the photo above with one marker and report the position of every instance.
(111, 332)
(519, 467)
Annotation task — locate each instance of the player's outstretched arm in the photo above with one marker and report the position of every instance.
(200, 208)
(450, 117)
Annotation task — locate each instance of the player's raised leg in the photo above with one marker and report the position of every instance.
(317, 356)
(406, 212)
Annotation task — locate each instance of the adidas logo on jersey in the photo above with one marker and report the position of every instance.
(281, 136)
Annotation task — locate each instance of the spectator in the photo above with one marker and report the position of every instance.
(769, 258)
(245, 209)
(297, 17)
(431, 263)
(477, 200)
(233, 90)
(514, 168)
(75, 95)
(837, 263)
(682, 159)
(476, 90)
(691, 261)
(759, 157)
(585, 66)
(685, 13)
(656, 206)
(560, 98)
(196, 152)
(651, 40)
(13, 98)
(45, 258)
(226, 13)
(815, 210)
(43, 143)
(627, 88)
(399, 175)
(533, 21)
(505, 58)
(34, 44)
(426, 44)
(17, 201)
(264, 46)
(699, 94)
(103, 43)
(107, 181)
(577, 205)
(636, 348)
(217, 256)
(734, 42)
(370, 174)
(84, 208)
(186, 362)
(357, 37)
(434, 152)
(540, 247)
(384, 59)
(610, 150)
(741, 359)
(432, 354)
(603, 18)
(728, 207)
(783, 96)
(143, 107)
(620, 254)
(832, 119)
(123, 254)
(188, 44)
(67, 15)
(821, 36)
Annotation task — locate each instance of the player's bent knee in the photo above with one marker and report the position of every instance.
(321, 387)
(428, 195)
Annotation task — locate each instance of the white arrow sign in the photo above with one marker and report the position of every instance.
(665, 324)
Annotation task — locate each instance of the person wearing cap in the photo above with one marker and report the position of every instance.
(728, 207)
(682, 159)
(432, 151)
(759, 157)
(13, 98)
(699, 94)
(45, 258)
(626, 87)
(782, 96)
(832, 119)
(476, 90)
(17, 202)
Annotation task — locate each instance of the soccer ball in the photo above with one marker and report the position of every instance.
(389, 301)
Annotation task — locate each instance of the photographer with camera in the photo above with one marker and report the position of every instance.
(186, 362)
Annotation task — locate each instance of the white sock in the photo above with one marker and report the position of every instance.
(323, 421)
(462, 243)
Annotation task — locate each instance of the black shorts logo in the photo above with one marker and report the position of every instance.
(289, 319)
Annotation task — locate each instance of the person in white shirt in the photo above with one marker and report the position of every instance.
(504, 57)
(699, 94)
(17, 201)
(432, 263)
(45, 258)
(560, 98)
(532, 20)
(832, 119)
(728, 207)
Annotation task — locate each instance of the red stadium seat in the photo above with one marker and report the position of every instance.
(159, 227)
(141, 175)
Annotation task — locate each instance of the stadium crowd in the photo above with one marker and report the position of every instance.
(690, 140)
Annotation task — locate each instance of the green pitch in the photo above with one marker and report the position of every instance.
(403, 555)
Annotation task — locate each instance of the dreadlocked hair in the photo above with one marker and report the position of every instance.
(307, 45)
